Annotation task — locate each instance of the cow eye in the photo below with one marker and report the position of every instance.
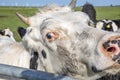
(50, 35)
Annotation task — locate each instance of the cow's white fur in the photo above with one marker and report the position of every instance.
(13, 53)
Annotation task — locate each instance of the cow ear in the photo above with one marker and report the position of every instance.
(23, 18)
(21, 31)
(72, 4)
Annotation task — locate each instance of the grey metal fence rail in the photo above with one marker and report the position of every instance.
(28, 74)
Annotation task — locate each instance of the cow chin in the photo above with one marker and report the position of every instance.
(108, 58)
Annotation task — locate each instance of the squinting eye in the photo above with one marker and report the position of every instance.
(50, 35)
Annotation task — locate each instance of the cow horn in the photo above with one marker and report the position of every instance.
(23, 18)
(72, 4)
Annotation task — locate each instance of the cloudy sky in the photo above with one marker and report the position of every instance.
(59, 2)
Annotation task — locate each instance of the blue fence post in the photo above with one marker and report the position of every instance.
(28, 74)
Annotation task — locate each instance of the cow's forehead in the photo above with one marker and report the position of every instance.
(53, 21)
(63, 14)
(60, 24)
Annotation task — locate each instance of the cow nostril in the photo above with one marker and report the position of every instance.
(111, 49)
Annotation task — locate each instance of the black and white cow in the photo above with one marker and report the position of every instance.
(106, 24)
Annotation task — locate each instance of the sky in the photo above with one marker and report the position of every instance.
(59, 2)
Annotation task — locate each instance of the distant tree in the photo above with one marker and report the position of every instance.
(111, 5)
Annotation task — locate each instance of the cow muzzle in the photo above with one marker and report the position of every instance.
(110, 47)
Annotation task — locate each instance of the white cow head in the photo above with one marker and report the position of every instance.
(71, 47)
(75, 49)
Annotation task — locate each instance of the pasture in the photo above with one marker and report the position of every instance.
(9, 19)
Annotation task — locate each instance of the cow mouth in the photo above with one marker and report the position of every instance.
(111, 48)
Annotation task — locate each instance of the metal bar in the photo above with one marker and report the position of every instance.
(28, 74)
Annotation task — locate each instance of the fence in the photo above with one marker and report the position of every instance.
(29, 74)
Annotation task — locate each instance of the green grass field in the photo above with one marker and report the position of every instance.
(9, 19)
